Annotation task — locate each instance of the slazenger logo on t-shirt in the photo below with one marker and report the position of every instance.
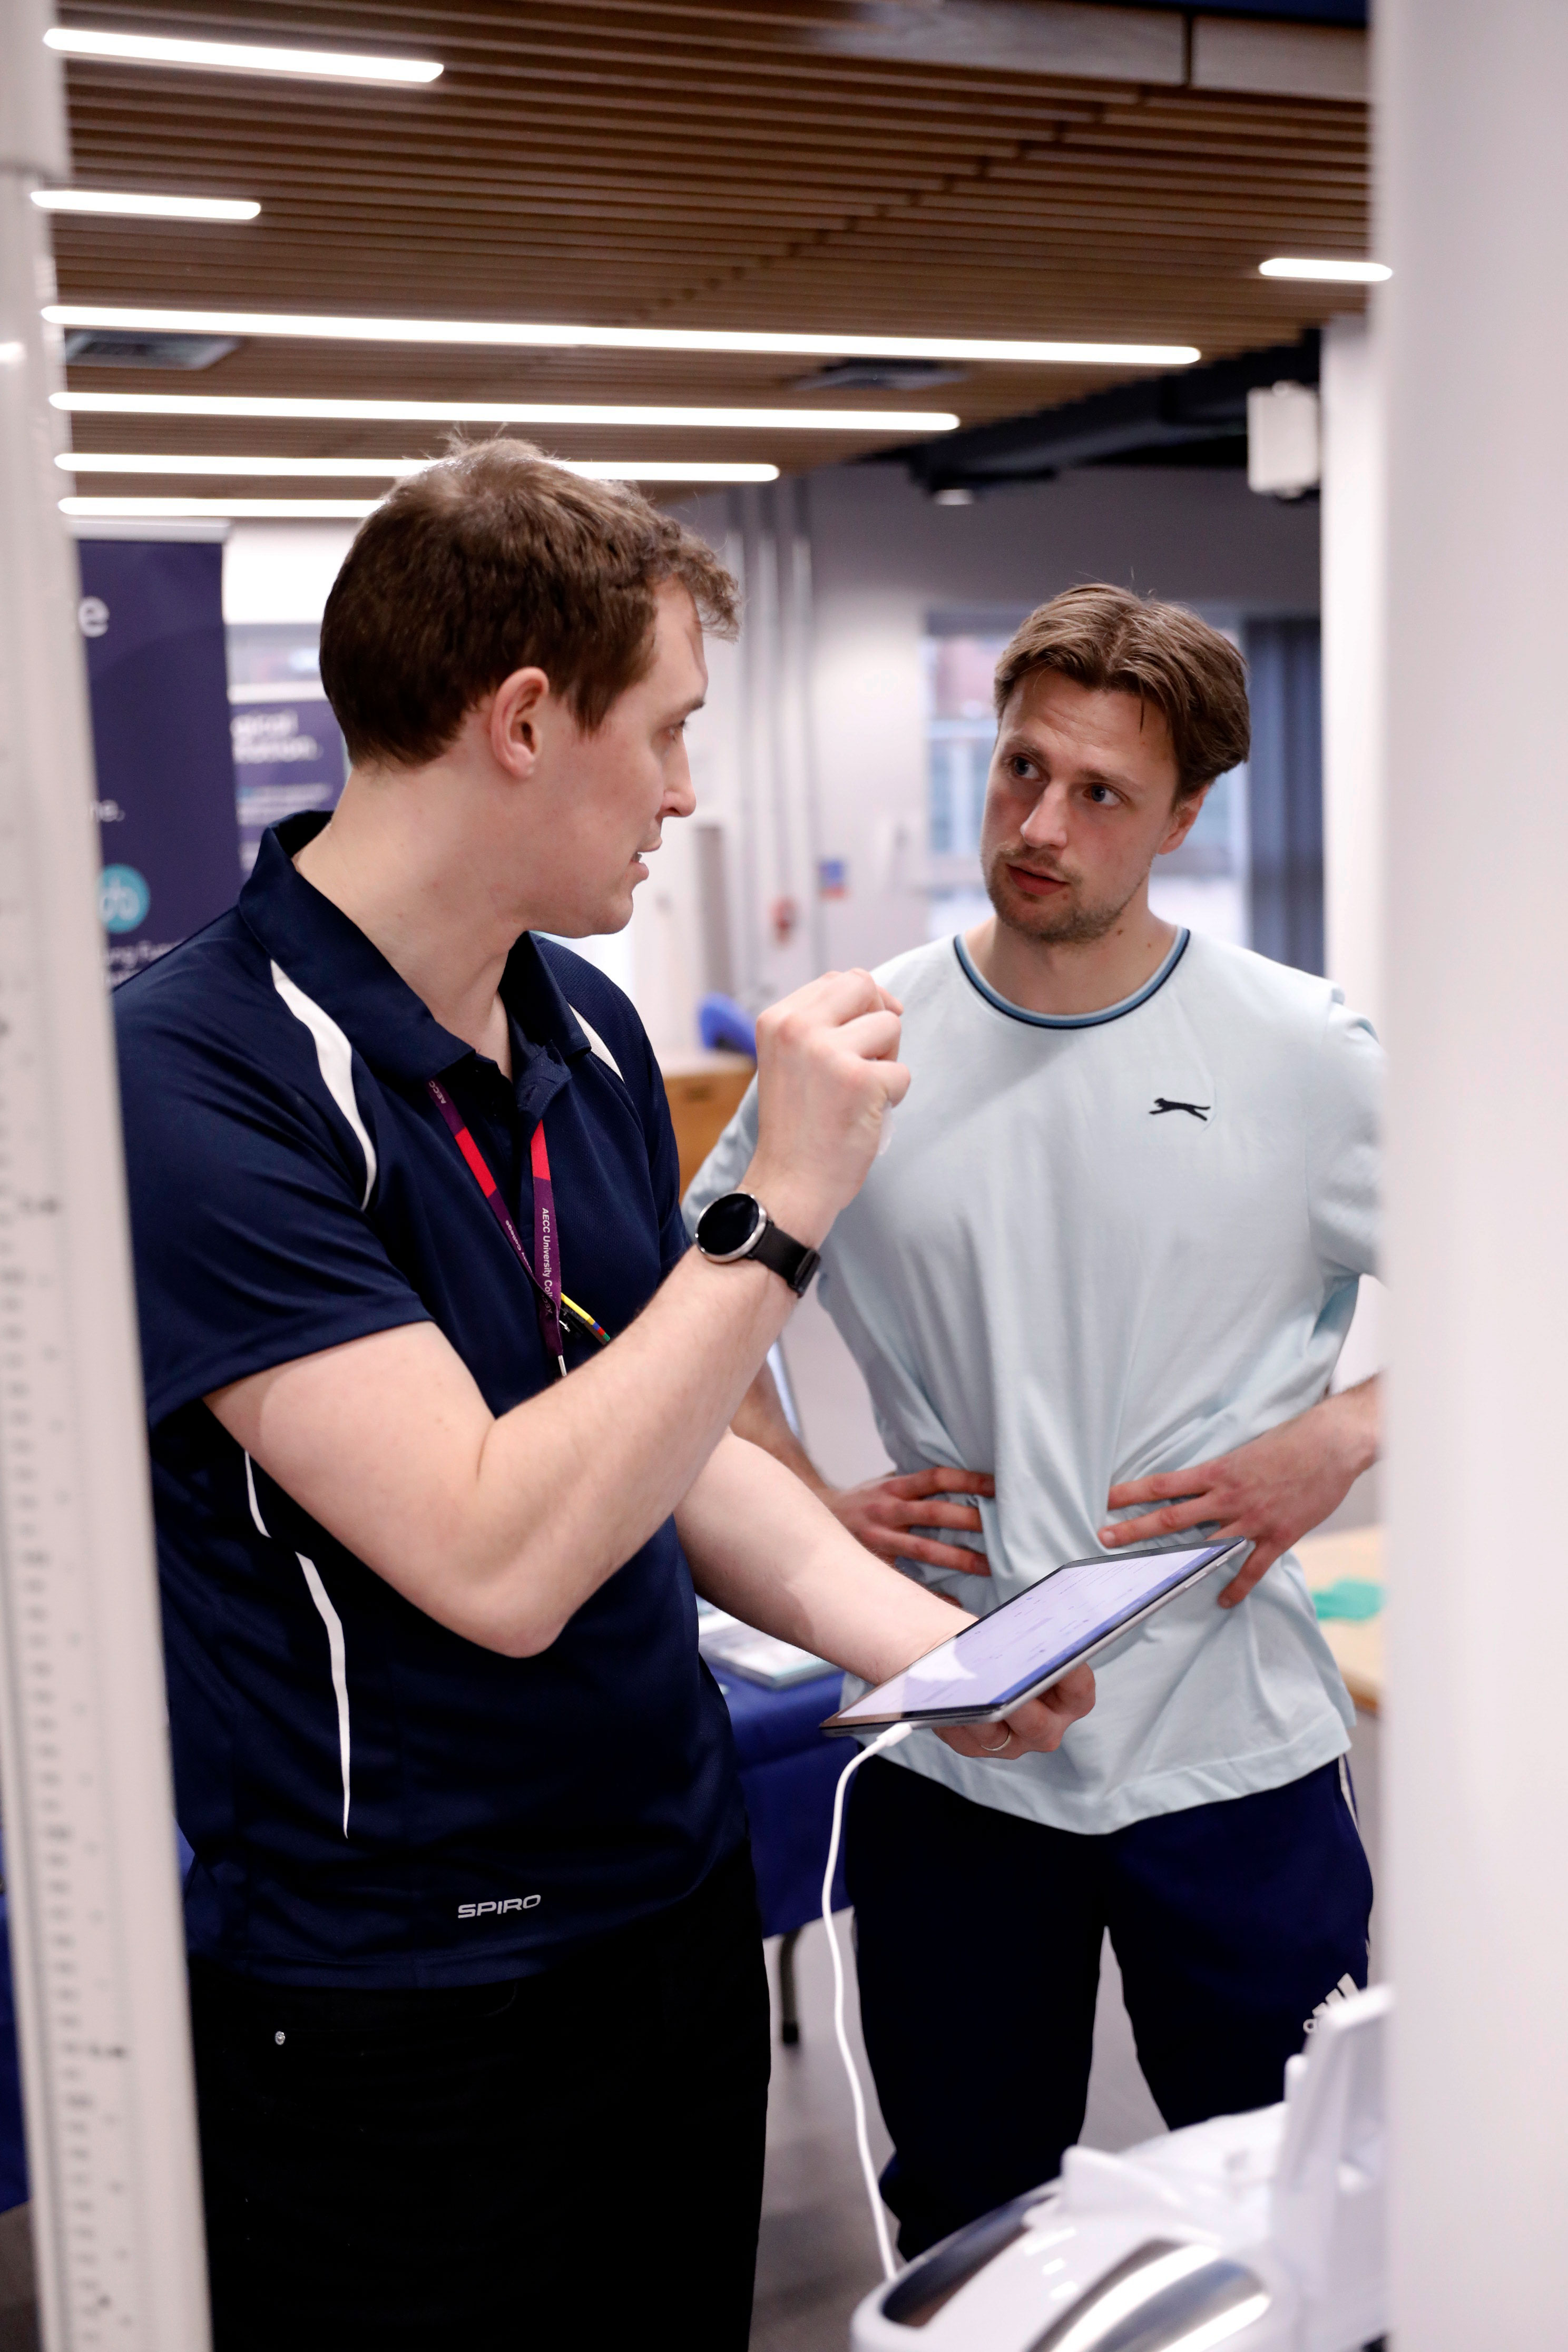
(489, 1910)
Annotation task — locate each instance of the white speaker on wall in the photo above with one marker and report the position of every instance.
(1284, 450)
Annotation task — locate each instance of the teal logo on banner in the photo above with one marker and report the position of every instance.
(124, 899)
(151, 617)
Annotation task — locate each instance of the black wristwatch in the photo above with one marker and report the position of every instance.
(736, 1225)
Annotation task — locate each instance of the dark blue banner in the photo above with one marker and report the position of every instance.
(287, 756)
(152, 616)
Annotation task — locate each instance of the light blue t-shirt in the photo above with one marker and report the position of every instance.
(1099, 1247)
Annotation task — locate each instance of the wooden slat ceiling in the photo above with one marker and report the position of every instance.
(632, 161)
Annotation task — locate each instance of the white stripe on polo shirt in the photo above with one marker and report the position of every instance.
(335, 1055)
(337, 1653)
(597, 1042)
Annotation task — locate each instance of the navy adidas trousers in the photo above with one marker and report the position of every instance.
(978, 1939)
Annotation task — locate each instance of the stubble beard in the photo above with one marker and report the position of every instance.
(1064, 921)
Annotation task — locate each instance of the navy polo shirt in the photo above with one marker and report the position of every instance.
(372, 1798)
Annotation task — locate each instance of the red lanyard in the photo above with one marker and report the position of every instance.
(546, 1253)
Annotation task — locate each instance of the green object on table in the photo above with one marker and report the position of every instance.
(1354, 1598)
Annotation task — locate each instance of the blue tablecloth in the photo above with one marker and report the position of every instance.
(789, 1770)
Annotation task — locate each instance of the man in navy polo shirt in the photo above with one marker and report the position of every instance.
(479, 2017)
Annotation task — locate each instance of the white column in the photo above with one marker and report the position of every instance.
(1475, 193)
(1353, 498)
(96, 1943)
(1353, 587)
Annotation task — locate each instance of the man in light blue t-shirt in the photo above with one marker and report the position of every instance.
(1100, 1285)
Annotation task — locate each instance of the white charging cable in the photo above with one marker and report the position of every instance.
(890, 1738)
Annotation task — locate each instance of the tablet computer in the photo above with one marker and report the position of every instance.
(1002, 1659)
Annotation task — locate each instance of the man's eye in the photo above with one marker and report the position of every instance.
(1020, 766)
(1102, 796)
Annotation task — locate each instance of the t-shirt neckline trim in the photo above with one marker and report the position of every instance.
(1072, 1019)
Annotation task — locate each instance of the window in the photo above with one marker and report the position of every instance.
(960, 731)
(1284, 659)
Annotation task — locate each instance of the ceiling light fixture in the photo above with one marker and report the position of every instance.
(499, 335)
(129, 204)
(140, 461)
(178, 509)
(296, 470)
(211, 509)
(664, 469)
(504, 412)
(237, 57)
(1327, 273)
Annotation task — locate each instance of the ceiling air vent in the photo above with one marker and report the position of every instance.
(105, 347)
(879, 375)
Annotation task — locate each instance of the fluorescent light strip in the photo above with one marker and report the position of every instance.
(497, 335)
(593, 469)
(663, 469)
(504, 412)
(238, 56)
(1326, 273)
(209, 510)
(125, 203)
(105, 461)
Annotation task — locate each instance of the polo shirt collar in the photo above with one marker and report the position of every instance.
(330, 958)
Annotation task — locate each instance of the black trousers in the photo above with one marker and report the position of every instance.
(977, 1937)
(569, 2159)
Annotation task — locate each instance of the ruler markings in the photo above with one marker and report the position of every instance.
(91, 1876)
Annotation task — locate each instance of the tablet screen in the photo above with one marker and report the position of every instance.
(1023, 1643)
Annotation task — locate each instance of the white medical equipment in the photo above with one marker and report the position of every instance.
(1263, 2233)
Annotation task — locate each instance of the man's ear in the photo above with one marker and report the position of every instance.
(1184, 816)
(516, 709)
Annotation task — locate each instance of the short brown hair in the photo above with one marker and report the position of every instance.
(489, 560)
(1111, 641)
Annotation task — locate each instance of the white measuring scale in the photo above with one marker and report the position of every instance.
(97, 1950)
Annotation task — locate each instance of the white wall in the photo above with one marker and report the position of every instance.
(281, 571)
(1352, 512)
(1353, 821)
(1475, 190)
(755, 768)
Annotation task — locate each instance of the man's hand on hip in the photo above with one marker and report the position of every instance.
(1272, 1492)
(881, 1513)
(763, 1545)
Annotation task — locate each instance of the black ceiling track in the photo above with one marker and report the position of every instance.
(1285, 12)
(1195, 416)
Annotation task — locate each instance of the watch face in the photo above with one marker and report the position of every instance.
(727, 1224)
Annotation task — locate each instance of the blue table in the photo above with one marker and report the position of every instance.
(789, 1770)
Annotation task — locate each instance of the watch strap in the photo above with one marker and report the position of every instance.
(782, 1254)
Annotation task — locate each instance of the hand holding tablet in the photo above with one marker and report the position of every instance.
(1002, 1659)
